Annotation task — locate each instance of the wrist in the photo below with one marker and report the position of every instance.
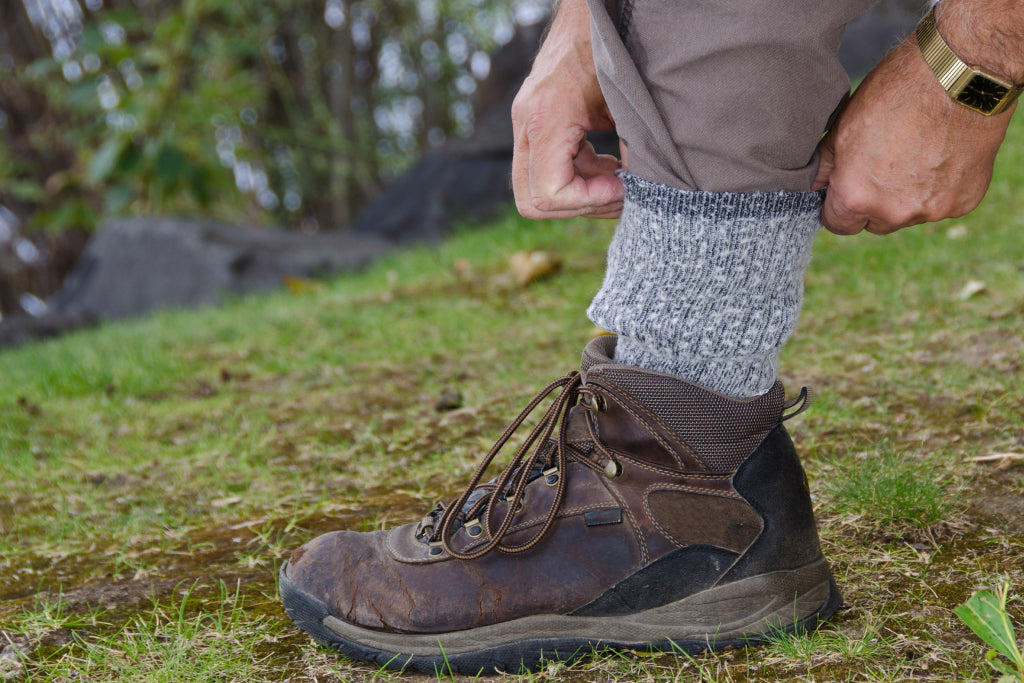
(906, 82)
(566, 47)
(987, 35)
(974, 85)
(567, 36)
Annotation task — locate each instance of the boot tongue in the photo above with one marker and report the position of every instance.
(475, 496)
(480, 493)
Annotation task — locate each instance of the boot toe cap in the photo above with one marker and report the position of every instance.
(326, 569)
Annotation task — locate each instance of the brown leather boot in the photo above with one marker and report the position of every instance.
(654, 515)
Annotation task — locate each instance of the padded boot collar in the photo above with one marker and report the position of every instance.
(721, 430)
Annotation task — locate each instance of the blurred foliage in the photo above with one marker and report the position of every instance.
(293, 112)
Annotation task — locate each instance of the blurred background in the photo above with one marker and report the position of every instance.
(290, 113)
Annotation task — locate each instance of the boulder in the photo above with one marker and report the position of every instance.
(872, 34)
(22, 328)
(138, 265)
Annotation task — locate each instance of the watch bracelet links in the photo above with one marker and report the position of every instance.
(949, 68)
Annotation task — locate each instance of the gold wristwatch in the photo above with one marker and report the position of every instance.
(971, 86)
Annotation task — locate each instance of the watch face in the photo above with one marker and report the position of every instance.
(982, 94)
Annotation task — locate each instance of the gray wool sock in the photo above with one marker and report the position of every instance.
(707, 286)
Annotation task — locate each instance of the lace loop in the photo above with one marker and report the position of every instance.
(512, 482)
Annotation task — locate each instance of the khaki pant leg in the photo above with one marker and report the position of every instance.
(722, 95)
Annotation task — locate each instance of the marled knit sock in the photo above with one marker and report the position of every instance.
(707, 286)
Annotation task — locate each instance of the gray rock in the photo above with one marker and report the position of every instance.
(872, 34)
(139, 265)
(442, 190)
(16, 330)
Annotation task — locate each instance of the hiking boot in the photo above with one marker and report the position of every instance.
(641, 512)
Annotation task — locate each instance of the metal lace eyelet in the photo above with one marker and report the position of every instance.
(519, 506)
(474, 528)
(594, 401)
(436, 548)
(551, 476)
(612, 469)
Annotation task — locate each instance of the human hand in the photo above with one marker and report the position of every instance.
(903, 153)
(555, 171)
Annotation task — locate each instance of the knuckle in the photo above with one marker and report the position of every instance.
(527, 211)
(965, 206)
(857, 200)
(544, 203)
(899, 217)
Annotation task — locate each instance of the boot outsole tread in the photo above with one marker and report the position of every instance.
(309, 614)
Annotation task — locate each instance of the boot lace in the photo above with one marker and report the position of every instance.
(536, 456)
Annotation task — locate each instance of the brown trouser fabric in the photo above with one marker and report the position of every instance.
(722, 95)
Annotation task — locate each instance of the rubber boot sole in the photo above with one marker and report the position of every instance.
(746, 612)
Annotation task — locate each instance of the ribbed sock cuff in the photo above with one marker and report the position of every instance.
(707, 286)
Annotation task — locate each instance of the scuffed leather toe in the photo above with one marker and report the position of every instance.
(331, 568)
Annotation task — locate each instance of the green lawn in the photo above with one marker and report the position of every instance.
(155, 473)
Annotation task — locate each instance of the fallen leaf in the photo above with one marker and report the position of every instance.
(971, 288)
(299, 285)
(528, 266)
(463, 269)
(957, 232)
(997, 456)
(1015, 310)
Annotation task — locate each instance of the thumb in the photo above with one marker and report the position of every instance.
(826, 163)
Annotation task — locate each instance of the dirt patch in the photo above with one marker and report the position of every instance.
(994, 348)
(1008, 509)
(215, 554)
(997, 499)
(114, 595)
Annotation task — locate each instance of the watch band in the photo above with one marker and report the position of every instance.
(970, 86)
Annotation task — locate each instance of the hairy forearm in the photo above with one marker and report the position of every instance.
(566, 52)
(569, 27)
(985, 33)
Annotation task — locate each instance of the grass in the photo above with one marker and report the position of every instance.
(154, 473)
(892, 491)
(181, 638)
